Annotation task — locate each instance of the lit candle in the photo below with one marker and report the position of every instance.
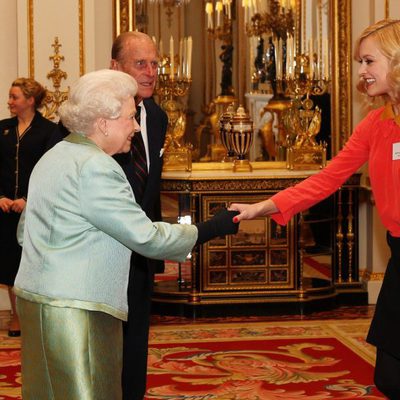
(219, 8)
(252, 68)
(326, 57)
(117, 17)
(319, 60)
(130, 15)
(289, 55)
(160, 49)
(280, 45)
(311, 58)
(180, 59)
(209, 11)
(184, 58)
(245, 4)
(189, 56)
(171, 58)
(255, 7)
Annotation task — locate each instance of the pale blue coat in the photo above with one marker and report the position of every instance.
(81, 223)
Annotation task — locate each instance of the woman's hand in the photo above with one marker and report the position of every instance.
(251, 211)
(18, 205)
(5, 204)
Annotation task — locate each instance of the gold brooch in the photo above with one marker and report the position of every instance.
(6, 132)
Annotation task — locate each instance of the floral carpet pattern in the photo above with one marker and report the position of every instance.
(10, 367)
(249, 360)
(314, 360)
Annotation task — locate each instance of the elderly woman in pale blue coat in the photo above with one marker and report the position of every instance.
(80, 224)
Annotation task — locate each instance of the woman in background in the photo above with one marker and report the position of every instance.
(24, 138)
(78, 230)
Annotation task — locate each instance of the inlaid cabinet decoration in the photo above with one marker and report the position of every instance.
(257, 256)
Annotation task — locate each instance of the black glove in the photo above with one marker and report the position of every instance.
(220, 224)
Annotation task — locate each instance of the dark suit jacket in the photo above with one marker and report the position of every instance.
(156, 123)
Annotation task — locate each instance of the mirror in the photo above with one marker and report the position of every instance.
(164, 19)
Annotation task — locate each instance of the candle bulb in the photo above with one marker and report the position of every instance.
(311, 59)
(184, 59)
(180, 58)
(117, 17)
(209, 11)
(160, 49)
(218, 9)
(189, 55)
(171, 57)
(326, 62)
(255, 10)
(246, 11)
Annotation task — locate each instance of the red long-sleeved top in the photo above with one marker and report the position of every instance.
(372, 141)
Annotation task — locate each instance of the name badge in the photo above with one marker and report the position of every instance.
(396, 151)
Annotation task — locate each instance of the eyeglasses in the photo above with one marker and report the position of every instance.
(143, 64)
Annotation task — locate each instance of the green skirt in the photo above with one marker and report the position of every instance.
(69, 353)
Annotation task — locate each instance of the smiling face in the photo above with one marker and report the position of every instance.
(140, 60)
(18, 103)
(374, 67)
(121, 130)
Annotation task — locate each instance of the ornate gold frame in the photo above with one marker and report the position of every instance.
(31, 38)
(341, 100)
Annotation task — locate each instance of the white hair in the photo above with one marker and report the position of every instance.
(98, 94)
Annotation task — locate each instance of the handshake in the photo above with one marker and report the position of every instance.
(220, 224)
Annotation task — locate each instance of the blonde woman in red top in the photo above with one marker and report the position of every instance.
(375, 140)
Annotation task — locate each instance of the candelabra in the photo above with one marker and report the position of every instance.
(174, 80)
(277, 22)
(301, 121)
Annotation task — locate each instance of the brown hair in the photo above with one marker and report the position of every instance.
(31, 88)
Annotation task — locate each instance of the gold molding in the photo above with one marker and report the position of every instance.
(341, 104)
(81, 38)
(31, 51)
(124, 16)
(366, 275)
(31, 48)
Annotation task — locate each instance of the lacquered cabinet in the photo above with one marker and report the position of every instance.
(313, 257)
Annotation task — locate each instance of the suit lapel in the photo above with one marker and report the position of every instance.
(153, 136)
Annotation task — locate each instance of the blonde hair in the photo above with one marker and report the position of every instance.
(386, 33)
(31, 88)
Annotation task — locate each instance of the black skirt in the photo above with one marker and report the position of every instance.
(384, 332)
(10, 250)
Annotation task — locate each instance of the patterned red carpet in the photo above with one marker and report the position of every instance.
(320, 359)
(320, 356)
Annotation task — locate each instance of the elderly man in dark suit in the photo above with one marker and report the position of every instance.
(136, 54)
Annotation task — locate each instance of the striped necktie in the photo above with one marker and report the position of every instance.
(139, 162)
